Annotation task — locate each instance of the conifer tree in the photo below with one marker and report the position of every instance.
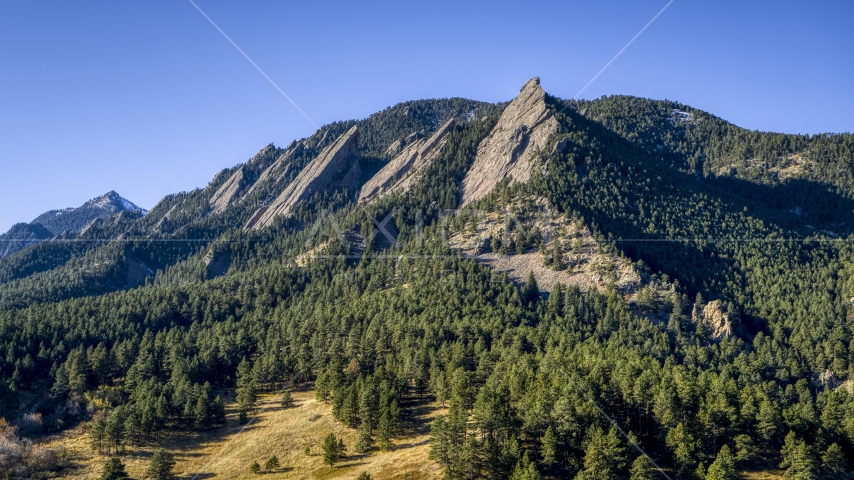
(723, 468)
(364, 442)
(246, 390)
(641, 469)
(526, 470)
(385, 431)
(161, 465)
(549, 450)
(201, 413)
(114, 469)
(97, 434)
(833, 462)
(332, 450)
(272, 463)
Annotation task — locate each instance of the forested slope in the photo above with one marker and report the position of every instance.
(562, 384)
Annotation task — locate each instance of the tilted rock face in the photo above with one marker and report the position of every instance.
(228, 192)
(233, 188)
(411, 160)
(524, 127)
(278, 169)
(715, 318)
(337, 165)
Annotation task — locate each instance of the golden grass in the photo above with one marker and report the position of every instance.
(761, 475)
(228, 452)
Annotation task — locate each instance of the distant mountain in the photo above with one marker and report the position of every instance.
(22, 235)
(66, 220)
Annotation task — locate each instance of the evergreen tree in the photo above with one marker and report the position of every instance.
(642, 469)
(798, 459)
(469, 464)
(332, 450)
(530, 291)
(255, 468)
(246, 390)
(527, 470)
(218, 411)
(384, 431)
(556, 259)
(723, 468)
(743, 448)
(272, 463)
(161, 465)
(201, 413)
(549, 450)
(114, 433)
(768, 424)
(98, 433)
(132, 429)
(603, 455)
(833, 462)
(364, 442)
(114, 469)
(287, 399)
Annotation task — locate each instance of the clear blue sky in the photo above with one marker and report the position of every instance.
(147, 98)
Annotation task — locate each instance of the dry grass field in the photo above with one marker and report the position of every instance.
(228, 452)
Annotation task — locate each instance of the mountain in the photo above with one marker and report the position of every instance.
(66, 220)
(22, 235)
(75, 219)
(544, 285)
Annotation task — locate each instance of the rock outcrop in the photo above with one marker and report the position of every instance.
(228, 192)
(405, 167)
(715, 318)
(336, 166)
(216, 265)
(278, 169)
(524, 127)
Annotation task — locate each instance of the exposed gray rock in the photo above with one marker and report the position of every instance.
(278, 169)
(227, 193)
(337, 165)
(715, 318)
(162, 225)
(523, 129)
(216, 265)
(411, 160)
(395, 147)
(255, 217)
(561, 146)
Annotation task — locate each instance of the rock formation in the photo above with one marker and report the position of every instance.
(278, 169)
(336, 166)
(227, 193)
(715, 318)
(216, 265)
(524, 127)
(405, 166)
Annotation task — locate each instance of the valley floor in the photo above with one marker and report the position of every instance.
(227, 452)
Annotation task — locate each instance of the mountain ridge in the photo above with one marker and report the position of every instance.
(65, 220)
(689, 278)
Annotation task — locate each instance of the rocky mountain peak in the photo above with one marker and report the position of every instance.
(523, 128)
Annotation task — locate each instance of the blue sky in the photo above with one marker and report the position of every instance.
(147, 98)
